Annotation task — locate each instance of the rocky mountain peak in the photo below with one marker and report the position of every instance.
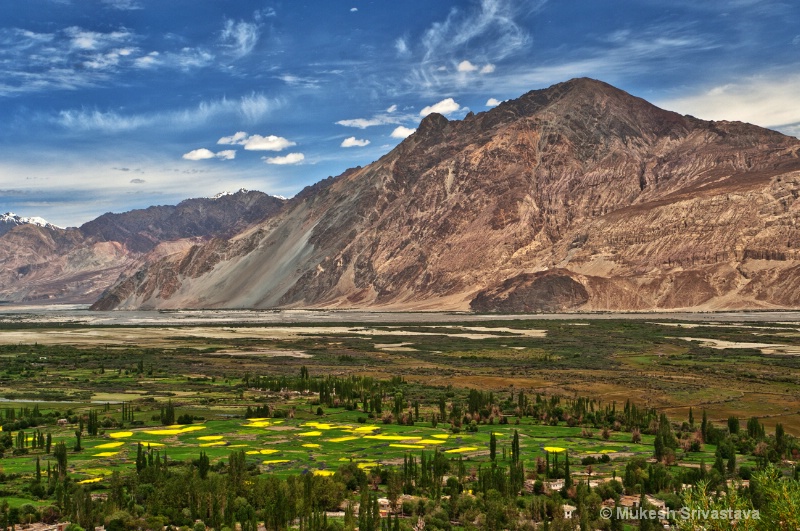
(432, 123)
(578, 196)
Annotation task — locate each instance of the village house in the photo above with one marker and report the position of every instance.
(555, 485)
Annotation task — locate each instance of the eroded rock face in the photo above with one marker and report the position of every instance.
(624, 205)
(44, 263)
(546, 291)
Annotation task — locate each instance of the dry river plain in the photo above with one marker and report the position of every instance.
(743, 364)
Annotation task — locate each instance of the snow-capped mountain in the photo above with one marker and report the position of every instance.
(9, 220)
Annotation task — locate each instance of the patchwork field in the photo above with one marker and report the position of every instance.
(206, 372)
(307, 445)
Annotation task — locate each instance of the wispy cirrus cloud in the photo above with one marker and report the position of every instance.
(81, 39)
(490, 30)
(186, 59)
(71, 58)
(389, 117)
(612, 57)
(469, 41)
(250, 108)
(74, 57)
(123, 5)
(300, 81)
(401, 47)
(239, 38)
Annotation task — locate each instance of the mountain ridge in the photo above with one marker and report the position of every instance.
(580, 184)
(9, 220)
(45, 263)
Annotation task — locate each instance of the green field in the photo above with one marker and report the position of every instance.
(373, 396)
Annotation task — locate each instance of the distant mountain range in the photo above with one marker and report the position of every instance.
(40, 262)
(575, 197)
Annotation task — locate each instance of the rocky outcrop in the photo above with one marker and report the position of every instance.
(546, 291)
(579, 196)
(43, 263)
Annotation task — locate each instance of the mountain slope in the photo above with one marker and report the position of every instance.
(41, 262)
(576, 196)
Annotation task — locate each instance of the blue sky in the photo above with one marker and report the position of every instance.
(109, 105)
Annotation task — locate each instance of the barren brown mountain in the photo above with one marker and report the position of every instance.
(76, 265)
(579, 196)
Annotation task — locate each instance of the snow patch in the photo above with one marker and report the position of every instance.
(223, 194)
(12, 219)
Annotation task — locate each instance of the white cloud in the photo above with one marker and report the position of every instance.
(487, 69)
(466, 66)
(291, 158)
(267, 143)
(354, 142)
(199, 154)
(147, 61)
(389, 117)
(768, 100)
(353, 9)
(238, 138)
(446, 106)
(239, 38)
(402, 132)
(205, 154)
(228, 154)
(257, 142)
(361, 123)
(493, 102)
